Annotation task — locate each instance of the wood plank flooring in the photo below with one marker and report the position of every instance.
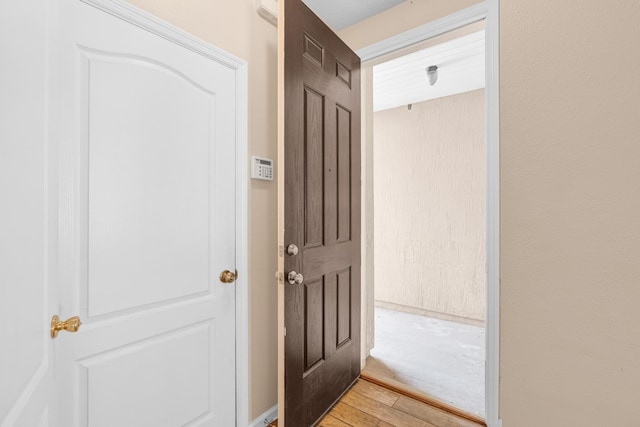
(370, 405)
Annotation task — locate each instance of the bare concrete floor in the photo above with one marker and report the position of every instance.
(436, 357)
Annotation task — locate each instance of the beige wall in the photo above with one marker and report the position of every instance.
(570, 226)
(429, 205)
(570, 203)
(236, 27)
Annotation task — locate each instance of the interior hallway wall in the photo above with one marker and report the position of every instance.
(236, 27)
(429, 206)
(570, 203)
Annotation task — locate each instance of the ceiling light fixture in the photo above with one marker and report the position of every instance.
(432, 74)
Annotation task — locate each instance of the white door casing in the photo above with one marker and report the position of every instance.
(145, 205)
(489, 11)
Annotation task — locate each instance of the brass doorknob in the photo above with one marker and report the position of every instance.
(72, 324)
(228, 276)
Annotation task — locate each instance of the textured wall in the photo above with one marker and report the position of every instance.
(429, 205)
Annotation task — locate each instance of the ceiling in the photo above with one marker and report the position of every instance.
(402, 81)
(339, 14)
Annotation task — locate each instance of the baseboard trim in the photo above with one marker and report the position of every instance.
(429, 313)
(266, 418)
(429, 400)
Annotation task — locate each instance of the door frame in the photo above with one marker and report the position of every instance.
(488, 10)
(140, 18)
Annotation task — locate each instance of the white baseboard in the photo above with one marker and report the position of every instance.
(266, 417)
(429, 313)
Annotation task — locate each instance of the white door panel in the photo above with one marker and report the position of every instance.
(147, 183)
(180, 394)
(25, 352)
(149, 222)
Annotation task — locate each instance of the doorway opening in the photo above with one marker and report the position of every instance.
(425, 257)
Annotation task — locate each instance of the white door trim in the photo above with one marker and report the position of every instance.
(489, 10)
(123, 10)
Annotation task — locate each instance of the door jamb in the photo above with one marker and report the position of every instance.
(140, 18)
(488, 10)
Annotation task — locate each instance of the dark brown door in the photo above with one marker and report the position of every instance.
(322, 216)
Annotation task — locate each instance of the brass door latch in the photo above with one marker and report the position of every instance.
(72, 324)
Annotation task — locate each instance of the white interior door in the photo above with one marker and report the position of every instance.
(25, 293)
(146, 132)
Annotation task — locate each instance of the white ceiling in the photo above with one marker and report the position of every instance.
(402, 81)
(339, 14)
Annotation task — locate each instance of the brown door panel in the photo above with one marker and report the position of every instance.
(322, 216)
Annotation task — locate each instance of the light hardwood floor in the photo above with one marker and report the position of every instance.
(370, 405)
